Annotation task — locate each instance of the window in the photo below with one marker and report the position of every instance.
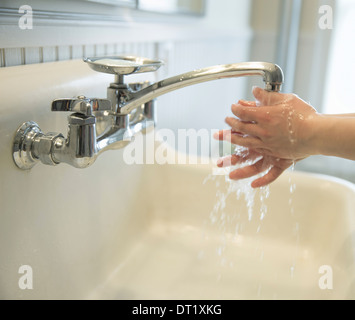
(338, 95)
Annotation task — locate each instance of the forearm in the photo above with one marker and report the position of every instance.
(334, 135)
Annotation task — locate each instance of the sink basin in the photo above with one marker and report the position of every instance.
(201, 241)
(119, 231)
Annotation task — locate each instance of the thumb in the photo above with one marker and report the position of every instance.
(267, 98)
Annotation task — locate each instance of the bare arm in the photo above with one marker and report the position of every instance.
(334, 135)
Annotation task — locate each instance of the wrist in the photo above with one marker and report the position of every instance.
(322, 136)
(334, 135)
(312, 133)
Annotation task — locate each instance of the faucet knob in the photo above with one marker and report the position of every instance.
(81, 105)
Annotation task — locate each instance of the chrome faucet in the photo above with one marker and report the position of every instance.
(97, 125)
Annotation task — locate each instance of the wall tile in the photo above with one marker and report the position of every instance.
(64, 53)
(110, 49)
(13, 57)
(89, 51)
(76, 52)
(33, 55)
(49, 54)
(100, 50)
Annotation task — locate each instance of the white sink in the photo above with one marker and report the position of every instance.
(180, 253)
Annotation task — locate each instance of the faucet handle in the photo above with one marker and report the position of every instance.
(81, 105)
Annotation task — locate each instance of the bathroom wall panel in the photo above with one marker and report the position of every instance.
(33, 55)
(49, 54)
(30, 55)
(13, 57)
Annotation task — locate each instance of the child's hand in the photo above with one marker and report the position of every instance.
(261, 163)
(280, 127)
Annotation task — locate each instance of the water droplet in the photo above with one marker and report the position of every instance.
(292, 187)
(292, 272)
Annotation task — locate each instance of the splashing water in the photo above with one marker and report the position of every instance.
(292, 190)
(245, 222)
(239, 189)
(232, 221)
(291, 129)
(296, 228)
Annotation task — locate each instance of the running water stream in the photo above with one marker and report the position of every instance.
(236, 224)
(240, 225)
(231, 223)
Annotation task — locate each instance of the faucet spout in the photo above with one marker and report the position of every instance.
(271, 74)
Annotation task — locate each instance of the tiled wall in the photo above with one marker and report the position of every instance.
(29, 55)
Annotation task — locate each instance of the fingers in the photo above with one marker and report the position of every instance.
(241, 157)
(256, 115)
(238, 139)
(270, 177)
(229, 161)
(223, 135)
(274, 166)
(247, 128)
(250, 111)
(248, 171)
(245, 141)
(247, 103)
(267, 98)
(246, 113)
